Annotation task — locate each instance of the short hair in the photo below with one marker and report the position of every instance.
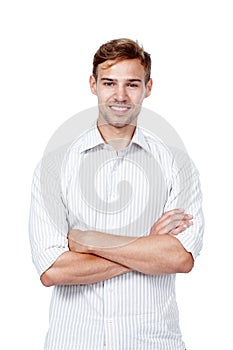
(119, 50)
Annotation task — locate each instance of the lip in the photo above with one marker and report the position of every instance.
(119, 108)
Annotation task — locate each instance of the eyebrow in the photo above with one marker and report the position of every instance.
(130, 80)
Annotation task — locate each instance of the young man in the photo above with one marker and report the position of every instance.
(110, 234)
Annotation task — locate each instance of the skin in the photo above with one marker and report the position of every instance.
(158, 253)
(120, 88)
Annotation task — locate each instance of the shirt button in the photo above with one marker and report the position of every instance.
(114, 167)
(113, 197)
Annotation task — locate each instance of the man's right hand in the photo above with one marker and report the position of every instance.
(172, 222)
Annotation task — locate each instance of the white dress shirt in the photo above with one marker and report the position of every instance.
(87, 185)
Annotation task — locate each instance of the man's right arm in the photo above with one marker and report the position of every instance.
(77, 268)
(48, 229)
(55, 263)
(83, 268)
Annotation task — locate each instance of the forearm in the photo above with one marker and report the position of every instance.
(153, 254)
(158, 253)
(77, 268)
(150, 255)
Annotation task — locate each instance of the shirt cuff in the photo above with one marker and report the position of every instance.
(46, 259)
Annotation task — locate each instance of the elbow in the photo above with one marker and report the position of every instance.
(186, 263)
(46, 279)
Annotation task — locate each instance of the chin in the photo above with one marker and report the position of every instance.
(120, 122)
(119, 125)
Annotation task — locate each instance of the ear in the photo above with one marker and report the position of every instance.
(92, 83)
(148, 88)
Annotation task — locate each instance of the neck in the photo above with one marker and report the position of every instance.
(117, 137)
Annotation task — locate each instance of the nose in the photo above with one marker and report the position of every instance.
(120, 93)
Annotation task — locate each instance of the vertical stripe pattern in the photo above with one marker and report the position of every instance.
(89, 186)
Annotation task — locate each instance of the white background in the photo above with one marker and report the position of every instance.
(46, 59)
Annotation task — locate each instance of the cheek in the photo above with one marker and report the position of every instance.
(138, 97)
(104, 95)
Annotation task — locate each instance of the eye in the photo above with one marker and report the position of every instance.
(132, 85)
(109, 83)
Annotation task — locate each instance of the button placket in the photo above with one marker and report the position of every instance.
(114, 180)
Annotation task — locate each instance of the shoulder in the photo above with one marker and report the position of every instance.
(157, 147)
(175, 158)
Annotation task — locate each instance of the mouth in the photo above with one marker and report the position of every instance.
(121, 109)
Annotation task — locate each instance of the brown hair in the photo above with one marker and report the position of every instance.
(119, 50)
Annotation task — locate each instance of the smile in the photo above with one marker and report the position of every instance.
(119, 108)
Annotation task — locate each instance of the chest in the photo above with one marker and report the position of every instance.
(117, 194)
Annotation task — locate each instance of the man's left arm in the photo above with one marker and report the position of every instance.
(171, 250)
(158, 253)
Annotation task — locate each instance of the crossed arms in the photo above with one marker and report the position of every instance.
(158, 253)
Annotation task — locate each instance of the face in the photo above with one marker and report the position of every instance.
(120, 89)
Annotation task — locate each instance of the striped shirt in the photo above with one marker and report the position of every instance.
(87, 185)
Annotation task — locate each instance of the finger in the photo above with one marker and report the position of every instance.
(180, 228)
(168, 216)
(173, 214)
(172, 221)
(170, 228)
(174, 225)
(170, 213)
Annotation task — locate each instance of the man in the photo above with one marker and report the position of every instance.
(106, 226)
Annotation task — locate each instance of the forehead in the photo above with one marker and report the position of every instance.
(126, 69)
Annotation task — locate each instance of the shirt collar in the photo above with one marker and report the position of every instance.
(139, 139)
(93, 139)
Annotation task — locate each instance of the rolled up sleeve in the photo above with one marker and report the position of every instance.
(48, 225)
(185, 193)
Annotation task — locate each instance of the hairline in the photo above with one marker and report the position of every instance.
(121, 59)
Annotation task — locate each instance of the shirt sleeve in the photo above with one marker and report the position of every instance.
(185, 193)
(48, 226)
